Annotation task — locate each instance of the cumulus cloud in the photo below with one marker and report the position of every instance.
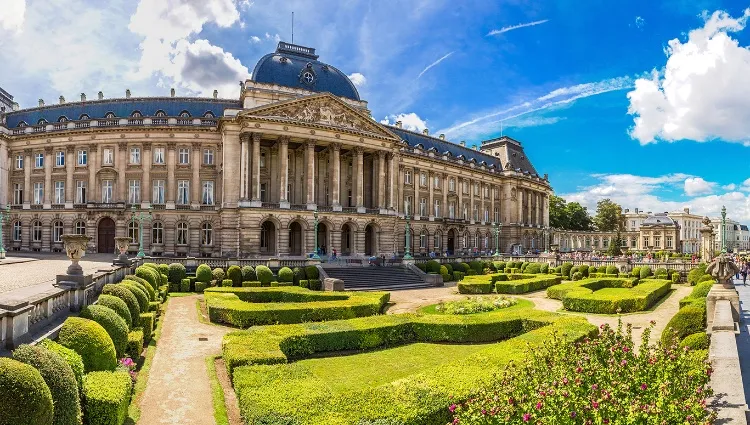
(12, 16)
(698, 186)
(409, 121)
(703, 92)
(255, 39)
(730, 186)
(358, 79)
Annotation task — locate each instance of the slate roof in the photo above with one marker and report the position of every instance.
(286, 66)
(122, 108)
(658, 219)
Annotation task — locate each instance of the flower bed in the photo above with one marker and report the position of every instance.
(610, 295)
(252, 306)
(270, 389)
(472, 305)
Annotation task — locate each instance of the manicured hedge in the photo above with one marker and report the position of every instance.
(118, 306)
(127, 296)
(286, 275)
(91, 341)
(688, 320)
(248, 274)
(522, 286)
(177, 272)
(147, 321)
(251, 284)
(154, 307)
(72, 358)
(217, 274)
(185, 285)
(315, 284)
(143, 289)
(107, 396)
(311, 272)
(200, 287)
(25, 399)
(135, 343)
(245, 307)
(474, 287)
(140, 295)
(610, 296)
(698, 294)
(265, 275)
(149, 275)
(203, 273)
(506, 283)
(696, 341)
(271, 391)
(60, 379)
(234, 273)
(115, 325)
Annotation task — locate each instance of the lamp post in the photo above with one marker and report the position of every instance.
(140, 217)
(497, 239)
(315, 255)
(545, 235)
(3, 215)
(723, 229)
(407, 250)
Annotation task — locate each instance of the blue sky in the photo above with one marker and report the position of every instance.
(645, 102)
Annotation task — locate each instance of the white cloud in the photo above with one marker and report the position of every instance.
(698, 186)
(730, 186)
(255, 39)
(639, 22)
(531, 122)
(515, 27)
(433, 64)
(410, 121)
(12, 16)
(274, 37)
(358, 79)
(703, 92)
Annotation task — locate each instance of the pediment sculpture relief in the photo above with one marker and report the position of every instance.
(322, 111)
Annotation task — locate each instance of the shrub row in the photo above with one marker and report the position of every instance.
(691, 318)
(610, 296)
(506, 283)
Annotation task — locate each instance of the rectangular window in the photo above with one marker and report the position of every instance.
(134, 191)
(465, 214)
(38, 193)
(263, 192)
(452, 210)
(465, 187)
(107, 191)
(17, 193)
(19, 162)
(59, 192)
(437, 208)
(407, 177)
(486, 191)
(669, 242)
(452, 184)
(135, 156)
(59, 159)
(645, 242)
(657, 242)
(80, 192)
(158, 197)
(633, 243)
(476, 213)
(184, 156)
(486, 215)
(207, 195)
(423, 207)
(436, 182)
(183, 192)
(476, 188)
(423, 179)
(407, 205)
(263, 160)
(82, 157)
(497, 215)
(108, 156)
(208, 156)
(158, 155)
(39, 160)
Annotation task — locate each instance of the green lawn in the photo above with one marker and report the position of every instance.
(357, 371)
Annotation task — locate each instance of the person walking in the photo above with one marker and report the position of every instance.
(743, 271)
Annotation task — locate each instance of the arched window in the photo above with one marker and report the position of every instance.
(160, 113)
(17, 231)
(207, 234)
(486, 241)
(57, 231)
(184, 114)
(80, 227)
(110, 115)
(438, 236)
(157, 233)
(133, 232)
(36, 231)
(465, 241)
(84, 117)
(182, 233)
(476, 240)
(62, 119)
(209, 114)
(41, 121)
(22, 124)
(423, 239)
(136, 114)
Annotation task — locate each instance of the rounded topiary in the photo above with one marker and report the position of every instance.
(118, 306)
(688, 320)
(612, 270)
(152, 295)
(476, 266)
(91, 341)
(72, 358)
(661, 271)
(449, 268)
(584, 269)
(422, 266)
(164, 279)
(312, 272)
(264, 274)
(433, 266)
(127, 296)
(163, 269)
(203, 273)
(696, 341)
(286, 275)
(645, 272)
(574, 270)
(636, 272)
(706, 278)
(234, 273)
(248, 274)
(177, 272)
(153, 266)
(60, 380)
(299, 274)
(533, 268)
(115, 325)
(218, 274)
(139, 295)
(577, 276)
(149, 275)
(565, 270)
(140, 286)
(544, 268)
(675, 277)
(24, 396)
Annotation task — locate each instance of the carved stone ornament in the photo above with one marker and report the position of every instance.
(513, 196)
(75, 248)
(706, 221)
(122, 243)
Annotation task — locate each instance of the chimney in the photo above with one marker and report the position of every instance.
(171, 92)
(127, 93)
(687, 210)
(627, 210)
(41, 102)
(398, 124)
(83, 97)
(426, 131)
(216, 94)
(475, 147)
(100, 95)
(442, 136)
(62, 100)
(462, 143)
(636, 210)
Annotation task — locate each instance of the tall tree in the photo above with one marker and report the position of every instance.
(609, 216)
(558, 213)
(578, 217)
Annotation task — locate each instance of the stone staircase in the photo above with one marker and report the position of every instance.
(377, 278)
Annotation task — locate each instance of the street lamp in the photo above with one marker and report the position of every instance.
(723, 229)
(140, 217)
(3, 215)
(407, 254)
(545, 233)
(315, 255)
(497, 238)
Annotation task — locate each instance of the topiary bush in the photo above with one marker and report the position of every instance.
(696, 341)
(72, 358)
(60, 380)
(176, 273)
(148, 322)
(127, 296)
(299, 274)
(217, 274)
(577, 276)
(675, 277)
(304, 283)
(185, 285)
(636, 272)
(311, 272)
(565, 270)
(227, 283)
(163, 269)
(24, 396)
(203, 273)
(118, 306)
(140, 296)
(695, 274)
(612, 270)
(445, 274)
(91, 341)
(688, 320)
(135, 344)
(584, 269)
(200, 287)
(476, 266)
(115, 325)
(706, 278)
(248, 273)
(153, 295)
(544, 268)
(265, 276)
(645, 272)
(433, 266)
(422, 266)
(533, 268)
(107, 396)
(234, 273)
(251, 284)
(286, 275)
(315, 284)
(149, 275)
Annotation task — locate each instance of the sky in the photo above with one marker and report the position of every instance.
(646, 103)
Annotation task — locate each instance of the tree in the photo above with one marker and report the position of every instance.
(558, 213)
(578, 217)
(609, 216)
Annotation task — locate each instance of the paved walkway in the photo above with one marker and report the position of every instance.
(743, 339)
(32, 270)
(178, 391)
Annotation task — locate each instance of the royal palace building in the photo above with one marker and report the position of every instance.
(248, 176)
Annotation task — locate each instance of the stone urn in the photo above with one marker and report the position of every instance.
(75, 247)
(122, 243)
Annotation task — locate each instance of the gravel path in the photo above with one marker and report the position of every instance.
(178, 391)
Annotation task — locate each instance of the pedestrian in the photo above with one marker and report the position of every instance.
(743, 271)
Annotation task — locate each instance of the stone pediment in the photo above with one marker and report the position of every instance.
(322, 109)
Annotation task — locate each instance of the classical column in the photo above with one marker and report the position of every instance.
(460, 191)
(519, 197)
(69, 168)
(196, 185)
(5, 168)
(392, 167)
(27, 178)
(283, 171)
(444, 207)
(493, 192)
(310, 174)
(244, 168)
(146, 189)
(93, 160)
(48, 158)
(430, 202)
(122, 183)
(401, 201)
(359, 172)
(256, 171)
(471, 201)
(336, 176)
(171, 188)
(381, 181)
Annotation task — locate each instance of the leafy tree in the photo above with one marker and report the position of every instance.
(578, 217)
(568, 216)
(609, 216)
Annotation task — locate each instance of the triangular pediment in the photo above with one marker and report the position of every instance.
(321, 109)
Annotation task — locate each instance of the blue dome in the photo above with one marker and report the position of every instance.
(298, 67)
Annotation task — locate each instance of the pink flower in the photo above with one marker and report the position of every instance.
(595, 404)
(452, 408)
(538, 406)
(594, 387)
(623, 362)
(526, 417)
(643, 387)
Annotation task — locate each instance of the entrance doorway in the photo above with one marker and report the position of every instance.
(370, 240)
(451, 242)
(323, 245)
(106, 236)
(295, 239)
(347, 239)
(268, 238)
